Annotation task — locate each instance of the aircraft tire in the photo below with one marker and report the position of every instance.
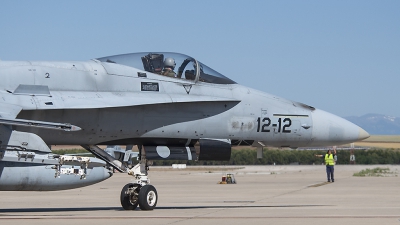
(129, 202)
(148, 197)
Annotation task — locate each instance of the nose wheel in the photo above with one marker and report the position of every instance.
(147, 197)
(133, 195)
(130, 196)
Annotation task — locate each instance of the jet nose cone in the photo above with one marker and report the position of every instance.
(329, 129)
(363, 134)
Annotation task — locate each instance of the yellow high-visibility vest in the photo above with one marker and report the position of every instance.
(329, 160)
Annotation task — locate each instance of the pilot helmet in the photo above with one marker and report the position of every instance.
(170, 62)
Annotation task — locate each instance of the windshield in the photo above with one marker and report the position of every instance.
(170, 64)
(211, 76)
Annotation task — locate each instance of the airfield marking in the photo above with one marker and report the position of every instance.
(195, 217)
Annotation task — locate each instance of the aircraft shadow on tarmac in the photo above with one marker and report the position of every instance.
(20, 210)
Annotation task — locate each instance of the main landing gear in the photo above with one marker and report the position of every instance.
(140, 192)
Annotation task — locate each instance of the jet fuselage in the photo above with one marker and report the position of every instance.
(119, 104)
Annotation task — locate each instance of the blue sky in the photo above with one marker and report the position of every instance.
(340, 56)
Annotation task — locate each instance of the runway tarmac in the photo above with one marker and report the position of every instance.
(263, 195)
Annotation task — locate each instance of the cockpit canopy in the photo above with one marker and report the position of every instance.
(186, 67)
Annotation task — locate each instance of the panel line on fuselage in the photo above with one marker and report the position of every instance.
(290, 115)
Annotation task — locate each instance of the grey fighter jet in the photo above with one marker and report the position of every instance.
(170, 105)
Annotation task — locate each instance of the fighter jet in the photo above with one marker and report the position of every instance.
(170, 105)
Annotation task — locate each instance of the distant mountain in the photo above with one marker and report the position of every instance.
(377, 124)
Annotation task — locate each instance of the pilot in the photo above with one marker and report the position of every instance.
(169, 66)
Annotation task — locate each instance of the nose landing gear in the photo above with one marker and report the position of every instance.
(140, 192)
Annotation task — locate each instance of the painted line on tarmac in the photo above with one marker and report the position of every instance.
(193, 217)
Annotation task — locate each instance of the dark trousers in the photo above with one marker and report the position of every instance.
(329, 173)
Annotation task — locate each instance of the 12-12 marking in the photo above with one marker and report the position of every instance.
(264, 123)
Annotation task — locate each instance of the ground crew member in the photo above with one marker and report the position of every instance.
(329, 162)
(169, 66)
